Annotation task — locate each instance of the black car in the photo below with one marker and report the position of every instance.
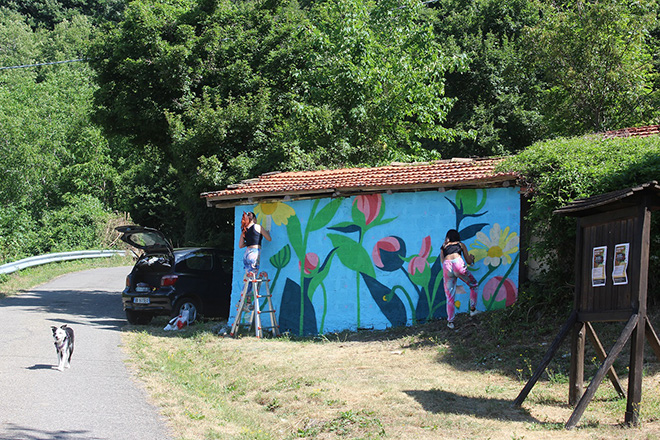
(165, 281)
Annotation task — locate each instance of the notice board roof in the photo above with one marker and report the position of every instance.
(623, 198)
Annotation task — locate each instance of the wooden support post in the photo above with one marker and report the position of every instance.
(546, 359)
(652, 337)
(602, 371)
(576, 376)
(600, 352)
(635, 375)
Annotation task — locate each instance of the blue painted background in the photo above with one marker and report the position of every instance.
(373, 261)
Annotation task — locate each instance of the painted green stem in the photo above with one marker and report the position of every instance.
(499, 285)
(491, 269)
(325, 307)
(412, 306)
(302, 268)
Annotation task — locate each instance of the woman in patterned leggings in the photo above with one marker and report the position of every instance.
(453, 269)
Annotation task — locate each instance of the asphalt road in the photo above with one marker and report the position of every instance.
(97, 398)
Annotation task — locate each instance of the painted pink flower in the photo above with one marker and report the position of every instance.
(311, 262)
(369, 205)
(425, 251)
(419, 262)
(388, 253)
(507, 292)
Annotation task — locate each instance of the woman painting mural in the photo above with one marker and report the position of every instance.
(251, 236)
(453, 269)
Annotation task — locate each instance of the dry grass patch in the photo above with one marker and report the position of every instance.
(422, 383)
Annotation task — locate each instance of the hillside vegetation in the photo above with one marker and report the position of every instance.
(160, 100)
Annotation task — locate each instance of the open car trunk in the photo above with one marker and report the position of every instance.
(149, 270)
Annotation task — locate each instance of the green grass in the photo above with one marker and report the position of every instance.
(409, 382)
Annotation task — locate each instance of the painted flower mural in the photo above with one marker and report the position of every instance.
(501, 292)
(277, 212)
(367, 212)
(297, 309)
(496, 248)
(311, 263)
(389, 253)
(376, 281)
(370, 206)
(419, 263)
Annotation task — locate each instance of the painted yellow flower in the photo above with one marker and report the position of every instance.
(277, 212)
(497, 248)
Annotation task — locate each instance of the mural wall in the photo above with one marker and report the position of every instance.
(373, 261)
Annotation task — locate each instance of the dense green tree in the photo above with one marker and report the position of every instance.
(496, 110)
(54, 160)
(596, 65)
(48, 13)
(195, 95)
(225, 90)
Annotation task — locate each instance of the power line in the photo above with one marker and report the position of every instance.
(42, 64)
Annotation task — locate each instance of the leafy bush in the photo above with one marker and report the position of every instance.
(558, 171)
(76, 226)
(18, 236)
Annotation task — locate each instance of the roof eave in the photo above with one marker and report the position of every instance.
(231, 200)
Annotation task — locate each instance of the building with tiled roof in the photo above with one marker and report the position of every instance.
(649, 130)
(439, 175)
(361, 247)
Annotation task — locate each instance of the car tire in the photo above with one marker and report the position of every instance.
(138, 318)
(193, 305)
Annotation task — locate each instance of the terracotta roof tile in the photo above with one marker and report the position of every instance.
(396, 177)
(649, 130)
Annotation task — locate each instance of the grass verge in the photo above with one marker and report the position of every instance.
(426, 382)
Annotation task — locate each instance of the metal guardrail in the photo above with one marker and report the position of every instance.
(55, 257)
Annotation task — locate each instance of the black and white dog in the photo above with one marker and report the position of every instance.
(63, 337)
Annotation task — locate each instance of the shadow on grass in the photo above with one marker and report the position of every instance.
(444, 402)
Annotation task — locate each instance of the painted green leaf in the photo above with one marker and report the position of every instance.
(281, 258)
(352, 254)
(382, 222)
(325, 215)
(358, 216)
(322, 273)
(466, 199)
(422, 278)
(345, 227)
(294, 231)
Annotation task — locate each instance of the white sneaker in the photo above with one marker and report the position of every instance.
(474, 312)
(450, 325)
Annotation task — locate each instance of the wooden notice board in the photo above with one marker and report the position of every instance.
(611, 268)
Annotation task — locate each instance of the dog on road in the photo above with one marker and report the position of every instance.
(63, 337)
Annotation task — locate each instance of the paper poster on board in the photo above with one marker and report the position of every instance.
(619, 273)
(598, 277)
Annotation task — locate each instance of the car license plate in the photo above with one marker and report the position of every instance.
(141, 300)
